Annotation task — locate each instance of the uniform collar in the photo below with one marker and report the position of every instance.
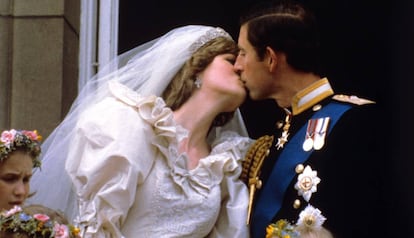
(311, 95)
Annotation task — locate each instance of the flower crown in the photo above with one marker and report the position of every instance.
(38, 225)
(27, 140)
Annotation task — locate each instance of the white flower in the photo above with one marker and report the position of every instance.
(307, 181)
(310, 218)
(12, 211)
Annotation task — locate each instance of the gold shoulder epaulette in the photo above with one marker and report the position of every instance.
(252, 164)
(352, 99)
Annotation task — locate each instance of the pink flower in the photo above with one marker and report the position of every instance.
(12, 211)
(8, 136)
(41, 217)
(31, 134)
(61, 231)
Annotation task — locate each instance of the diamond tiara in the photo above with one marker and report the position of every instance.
(208, 36)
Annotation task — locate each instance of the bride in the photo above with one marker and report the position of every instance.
(152, 147)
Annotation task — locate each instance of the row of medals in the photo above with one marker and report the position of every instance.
(315, 131)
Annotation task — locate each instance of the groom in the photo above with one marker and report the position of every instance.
(323, 157)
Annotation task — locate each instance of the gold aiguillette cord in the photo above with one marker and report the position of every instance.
(252, 167)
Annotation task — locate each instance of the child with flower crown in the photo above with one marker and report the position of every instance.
(19, 155)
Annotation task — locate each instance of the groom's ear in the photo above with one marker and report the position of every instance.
(271, 59)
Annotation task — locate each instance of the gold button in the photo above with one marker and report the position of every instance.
(317, 107)
(279, 124)
(259, 184)
(296, 204)
(299, 168)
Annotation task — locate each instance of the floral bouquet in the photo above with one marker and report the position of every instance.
(16, 221)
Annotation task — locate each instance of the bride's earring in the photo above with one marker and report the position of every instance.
(198, 82)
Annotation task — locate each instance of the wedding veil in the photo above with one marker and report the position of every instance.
(146, 69)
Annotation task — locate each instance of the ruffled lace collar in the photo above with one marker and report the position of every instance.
(226, 148)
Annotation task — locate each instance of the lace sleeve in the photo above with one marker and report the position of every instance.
(108, 159)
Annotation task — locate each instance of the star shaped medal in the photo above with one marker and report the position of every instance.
(283, 139)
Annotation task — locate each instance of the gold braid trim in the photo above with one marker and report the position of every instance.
(252, 165)
(254, 157)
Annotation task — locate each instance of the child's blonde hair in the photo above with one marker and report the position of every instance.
(314, 233)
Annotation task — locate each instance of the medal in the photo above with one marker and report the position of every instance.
(320, 133)
(310, 132)
(285, 133)
(308, 144)
(318, 144)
